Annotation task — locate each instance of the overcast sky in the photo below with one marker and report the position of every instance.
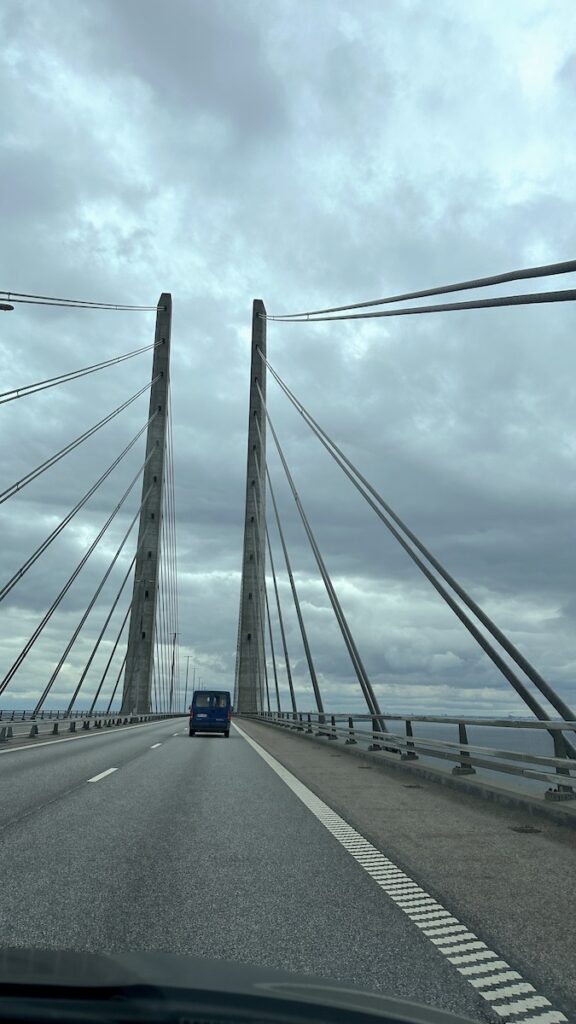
(308, 153)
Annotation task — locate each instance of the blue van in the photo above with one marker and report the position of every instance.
(210, 711)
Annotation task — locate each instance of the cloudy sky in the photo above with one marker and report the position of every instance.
(308, 153)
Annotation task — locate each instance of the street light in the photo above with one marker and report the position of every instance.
(187, 670)
(6, 306)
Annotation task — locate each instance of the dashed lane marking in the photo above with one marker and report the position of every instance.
(96, 778)
(489, 975)
(76, 739)
(154, 745)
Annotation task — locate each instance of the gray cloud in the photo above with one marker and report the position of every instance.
(309, 155)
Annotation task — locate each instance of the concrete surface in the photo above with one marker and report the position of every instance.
(195, 846)
(515, 889)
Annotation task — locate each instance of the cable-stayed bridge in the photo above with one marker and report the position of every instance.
(305, 856)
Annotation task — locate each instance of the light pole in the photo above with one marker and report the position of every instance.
(186, 688)
(174, 635)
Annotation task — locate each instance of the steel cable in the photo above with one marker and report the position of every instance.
(17, 576)
(30, 643)
(533, 298)
(48, 463)
(62, 378)
(357, 663)
(83, 618)
(498, 635)
(551, 269)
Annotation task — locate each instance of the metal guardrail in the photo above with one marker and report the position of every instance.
(27, 725)
(559, 771)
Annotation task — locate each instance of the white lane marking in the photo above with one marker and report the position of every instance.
(459, 949)
(113, 731)
(154, 745)
(176, 734)
(96, 778)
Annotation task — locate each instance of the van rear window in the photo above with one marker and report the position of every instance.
(211, 700)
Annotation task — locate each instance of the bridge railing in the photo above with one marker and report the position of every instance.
(381, 733)
(26, 724)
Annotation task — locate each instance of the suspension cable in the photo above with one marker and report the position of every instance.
(113, 652)
(30, 643)
(51, 300)
(272, 651)
(48, 463)
(359, 669)
(5, 590)
(122, 667)
(52, 382)
(567, 267)
(174, 540)
(281, 622)
(568, 295)
(501, 637)
(85, 615)
(105, 627)
(260, 621)
(261, 646)
(307, 651)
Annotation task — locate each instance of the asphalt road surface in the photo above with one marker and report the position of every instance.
(145, 839)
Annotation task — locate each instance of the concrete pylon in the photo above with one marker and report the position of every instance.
(249, 686)
(136, 696)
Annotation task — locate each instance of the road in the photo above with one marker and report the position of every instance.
(199, 846)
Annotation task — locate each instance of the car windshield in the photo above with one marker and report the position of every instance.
(288, 479)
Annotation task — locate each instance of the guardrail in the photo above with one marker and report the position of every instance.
(27, 725)
(558, 771)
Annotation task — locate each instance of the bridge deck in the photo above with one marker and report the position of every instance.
(514, 888)
(198, 846)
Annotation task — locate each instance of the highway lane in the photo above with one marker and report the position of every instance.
(502, 871)
(196, 846)
(33, 776)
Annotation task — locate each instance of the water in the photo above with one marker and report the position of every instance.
(500, 738)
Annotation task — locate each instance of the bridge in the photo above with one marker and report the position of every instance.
(441, 874)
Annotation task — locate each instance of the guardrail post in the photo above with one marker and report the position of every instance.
(309, 720)
(375, 729)
(409, 754)
(561, 792)
(3, 734)
(72, 726)
(33, 731)
(55, 729)
(351, 740)
(464, 768)
(333, 734)
(319, 730)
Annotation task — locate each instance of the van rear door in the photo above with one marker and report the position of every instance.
(211, 711)
(218, 711)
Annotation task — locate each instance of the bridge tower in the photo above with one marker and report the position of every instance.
(136, 696)
(250, 655)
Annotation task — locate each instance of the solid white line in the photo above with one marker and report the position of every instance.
(96, 778)
(154, 745)
(70, 739)
(390, 879)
